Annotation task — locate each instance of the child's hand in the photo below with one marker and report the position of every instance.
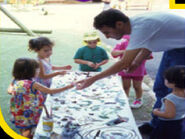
(10, 90)
(91, 64)
(72, 85)
(155, 111)
(62, 72)
(68, 67)
(97, 66)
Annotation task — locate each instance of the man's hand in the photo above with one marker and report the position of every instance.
(84, 83)
(141, 56)
(133, 67)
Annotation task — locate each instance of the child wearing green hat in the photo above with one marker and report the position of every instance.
(91, 57)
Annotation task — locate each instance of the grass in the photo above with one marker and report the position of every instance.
(14, 46)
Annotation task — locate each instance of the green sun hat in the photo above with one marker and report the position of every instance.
(90, 36)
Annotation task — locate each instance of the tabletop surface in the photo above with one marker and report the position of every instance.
(100, 111)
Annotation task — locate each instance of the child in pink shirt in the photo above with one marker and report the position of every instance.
(136, 77)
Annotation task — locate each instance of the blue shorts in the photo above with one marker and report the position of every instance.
(168, 130)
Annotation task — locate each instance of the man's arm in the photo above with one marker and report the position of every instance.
(124, 63)
(142, 55)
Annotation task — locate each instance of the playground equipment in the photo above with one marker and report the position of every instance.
(16, 30)
(22, 26)
(138, 4)
(17, 2)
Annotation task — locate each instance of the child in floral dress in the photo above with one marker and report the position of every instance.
(27, 101)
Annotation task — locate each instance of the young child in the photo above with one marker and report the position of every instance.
(91, 57)
(136, 77)
(26, 102)
(172, 111)
(43, 47)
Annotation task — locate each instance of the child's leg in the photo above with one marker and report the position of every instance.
(26, 132)
(126, 85)
(137, 84)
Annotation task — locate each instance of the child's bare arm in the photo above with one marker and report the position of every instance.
(10, 89)
(43, 75)
(101, 63)
(80, 61)
(68, 67)
(46, 90)
(115, 53)
(169, 110)
(85, 62)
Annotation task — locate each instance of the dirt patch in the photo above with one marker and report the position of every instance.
(144, 113)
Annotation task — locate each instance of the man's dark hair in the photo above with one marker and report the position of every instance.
(24, 68)
(109, 18)
(176, 75)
